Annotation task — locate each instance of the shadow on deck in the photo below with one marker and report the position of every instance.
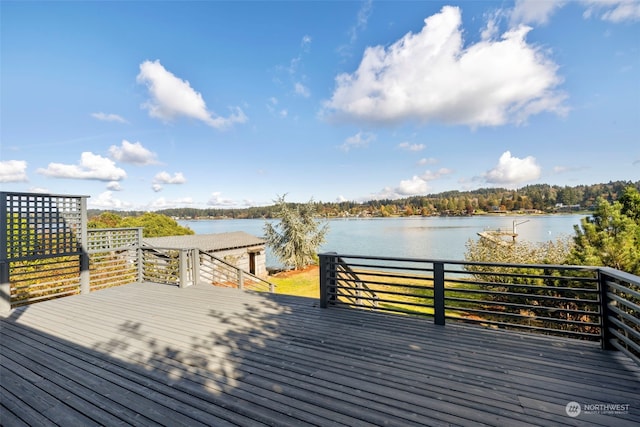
(149, 354)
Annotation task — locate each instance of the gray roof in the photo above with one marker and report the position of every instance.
(206, 242)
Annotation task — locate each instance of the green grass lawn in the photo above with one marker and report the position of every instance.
(305, 283)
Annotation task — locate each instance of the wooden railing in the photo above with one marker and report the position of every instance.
(185, 267)
(591, 303)
(114, 257)
(219, 272)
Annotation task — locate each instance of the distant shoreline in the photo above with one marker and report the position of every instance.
(481, 214)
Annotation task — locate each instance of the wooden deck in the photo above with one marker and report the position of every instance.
(148, 354)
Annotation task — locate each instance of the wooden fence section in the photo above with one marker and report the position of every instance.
(588, 303)
(42, 239)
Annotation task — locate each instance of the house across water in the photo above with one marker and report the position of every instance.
(242, 250)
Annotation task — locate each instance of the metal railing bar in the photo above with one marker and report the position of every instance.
(374, 298)
(586, 292)
(527, 327)
(428, 285)
(528, 306)
(625, 302)
(593, 290)
(624, 289)
(523, 316)
(627, 328)
(522, 295)
(627, 342)
(615, 344)
(615, 310)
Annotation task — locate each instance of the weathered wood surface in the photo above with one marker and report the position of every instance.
(148, 354)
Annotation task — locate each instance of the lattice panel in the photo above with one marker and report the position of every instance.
(111, 239)
(41, 225)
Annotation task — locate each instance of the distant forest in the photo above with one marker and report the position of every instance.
(539, 198)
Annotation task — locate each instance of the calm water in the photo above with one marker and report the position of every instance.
(430, 237)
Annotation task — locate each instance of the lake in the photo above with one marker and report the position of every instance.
(413, 237)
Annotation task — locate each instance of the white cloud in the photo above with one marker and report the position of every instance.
(109, 117)
(427, 161)
(534, 11)
(157, 187)
(301, 90)
(613, 10)
(432, 176)
(416, 185)
(166, 178)
(431, 76)
(162, 203)
(362, 20)
(13, 171)
(172, 97)
(512, 170)
(565, 169)
(413, 186)
(411, 147)
(114, 186)
(217, 200)
(271, 107)
(305, 42)
(133, 153)
(106, 200)
(91, 166)
(359, 140)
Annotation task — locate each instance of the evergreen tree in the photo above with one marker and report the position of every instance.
(296, 238)
(611, 235)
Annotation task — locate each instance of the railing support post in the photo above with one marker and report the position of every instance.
(85, 279)
(327, 278)
(183, 268)
(240, 279)
(605, 335)
(5, 286)
(195, 265)
(438, 293)
(140, 257)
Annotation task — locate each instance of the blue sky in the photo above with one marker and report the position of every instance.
(151, 105)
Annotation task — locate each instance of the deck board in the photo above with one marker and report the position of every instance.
(149, 354)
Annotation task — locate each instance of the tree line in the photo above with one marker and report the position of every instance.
(532, 198)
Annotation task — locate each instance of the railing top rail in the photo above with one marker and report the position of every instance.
(93, 230)
(462, 262)
(23, 193)
(622, 275)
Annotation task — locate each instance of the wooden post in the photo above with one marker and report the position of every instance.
(240, 279)
(140, 254)
(195, 265)
(182, 268)
(438, 293)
